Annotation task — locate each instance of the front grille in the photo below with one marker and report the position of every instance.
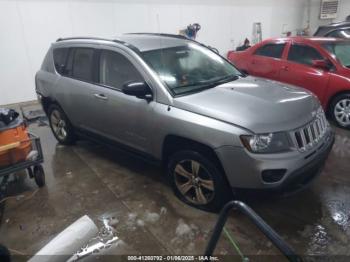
(309, 135)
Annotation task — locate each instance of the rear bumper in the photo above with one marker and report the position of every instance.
(244, 170)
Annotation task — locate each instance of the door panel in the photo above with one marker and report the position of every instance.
(124, 118)
(265, 67)
(77, 101)
(298, 70)
(75, 88)
(313, 79)
(266, 60)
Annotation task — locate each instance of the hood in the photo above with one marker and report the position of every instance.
(257, 104)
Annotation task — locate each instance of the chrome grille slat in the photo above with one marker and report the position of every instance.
(317, 133)
(303, 137)
(312, 138)
(318, 127)
(322, 124)
(307, 136)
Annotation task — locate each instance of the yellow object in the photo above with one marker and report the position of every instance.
(9, 146)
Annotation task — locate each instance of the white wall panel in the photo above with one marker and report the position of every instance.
(131, 18)
(343, 10)
(91, 18)
(165, 18)
(16, 83)
(27, 27)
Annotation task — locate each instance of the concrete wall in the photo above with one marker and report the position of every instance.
(28, 27)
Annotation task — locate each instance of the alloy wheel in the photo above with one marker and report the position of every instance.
(58, 125)
(194, 182)
(342, 112)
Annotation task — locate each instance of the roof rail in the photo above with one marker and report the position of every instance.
(88, 38)
(160, 34)
(135, 49)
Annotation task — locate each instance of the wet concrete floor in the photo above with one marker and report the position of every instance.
(91, 179)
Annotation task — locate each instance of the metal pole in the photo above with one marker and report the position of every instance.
(259, 223)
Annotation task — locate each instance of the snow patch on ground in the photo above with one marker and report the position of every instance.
(140, 223)
(163, 211)
(151, 217)
(182, 229)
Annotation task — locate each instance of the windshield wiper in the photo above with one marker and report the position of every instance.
(219, 81)
(227, 79)
(203, 85)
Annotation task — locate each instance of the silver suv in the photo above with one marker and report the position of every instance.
(176, 101)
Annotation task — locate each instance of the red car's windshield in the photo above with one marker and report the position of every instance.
(341, 51)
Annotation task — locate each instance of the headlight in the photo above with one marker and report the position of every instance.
(267, 143)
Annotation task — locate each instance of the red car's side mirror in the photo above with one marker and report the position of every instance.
(321, 64)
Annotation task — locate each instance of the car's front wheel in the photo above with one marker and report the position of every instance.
(60, 125)
(340, 110)
(198, 181)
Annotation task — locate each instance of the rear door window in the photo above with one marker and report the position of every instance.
(83, 59)
(60, 58)
(303, 54)
(271, 50)
(116, 70)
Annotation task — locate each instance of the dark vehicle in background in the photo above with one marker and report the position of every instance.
(321, 65)
(339, 30)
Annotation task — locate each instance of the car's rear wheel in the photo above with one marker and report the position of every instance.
(197, 181)
(60, 125)
(340, 110)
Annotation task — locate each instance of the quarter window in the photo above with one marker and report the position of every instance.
(83, 64)
(271, 50)
(303, 54)
(60, 59)
(116, 69)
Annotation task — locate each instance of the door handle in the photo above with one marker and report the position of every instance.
(100, 96)
(285, 68)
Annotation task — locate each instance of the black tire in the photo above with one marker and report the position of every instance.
(66, 138)
(208, 170)
(39, 175)
(342, 99)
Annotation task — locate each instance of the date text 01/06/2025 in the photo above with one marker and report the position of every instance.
(173, 258)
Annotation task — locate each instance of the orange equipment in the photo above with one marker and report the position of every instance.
(15, 144)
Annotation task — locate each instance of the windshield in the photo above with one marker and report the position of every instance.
(190, 68)
(341, 51)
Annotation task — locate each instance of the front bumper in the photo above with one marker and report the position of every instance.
(244, 169)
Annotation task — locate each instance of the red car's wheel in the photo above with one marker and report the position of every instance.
(340, 110)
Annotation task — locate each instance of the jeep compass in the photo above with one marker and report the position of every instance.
(177, 102)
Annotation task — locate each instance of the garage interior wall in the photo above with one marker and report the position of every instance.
(28, 27)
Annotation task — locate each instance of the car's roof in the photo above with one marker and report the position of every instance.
(335, 25)
(147, 42)
(140, 41)
(308, 39)
(325, 29)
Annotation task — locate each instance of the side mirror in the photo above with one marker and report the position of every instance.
(321, 64)
(138, 89)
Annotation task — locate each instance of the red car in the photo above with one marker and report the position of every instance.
(321, 65)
